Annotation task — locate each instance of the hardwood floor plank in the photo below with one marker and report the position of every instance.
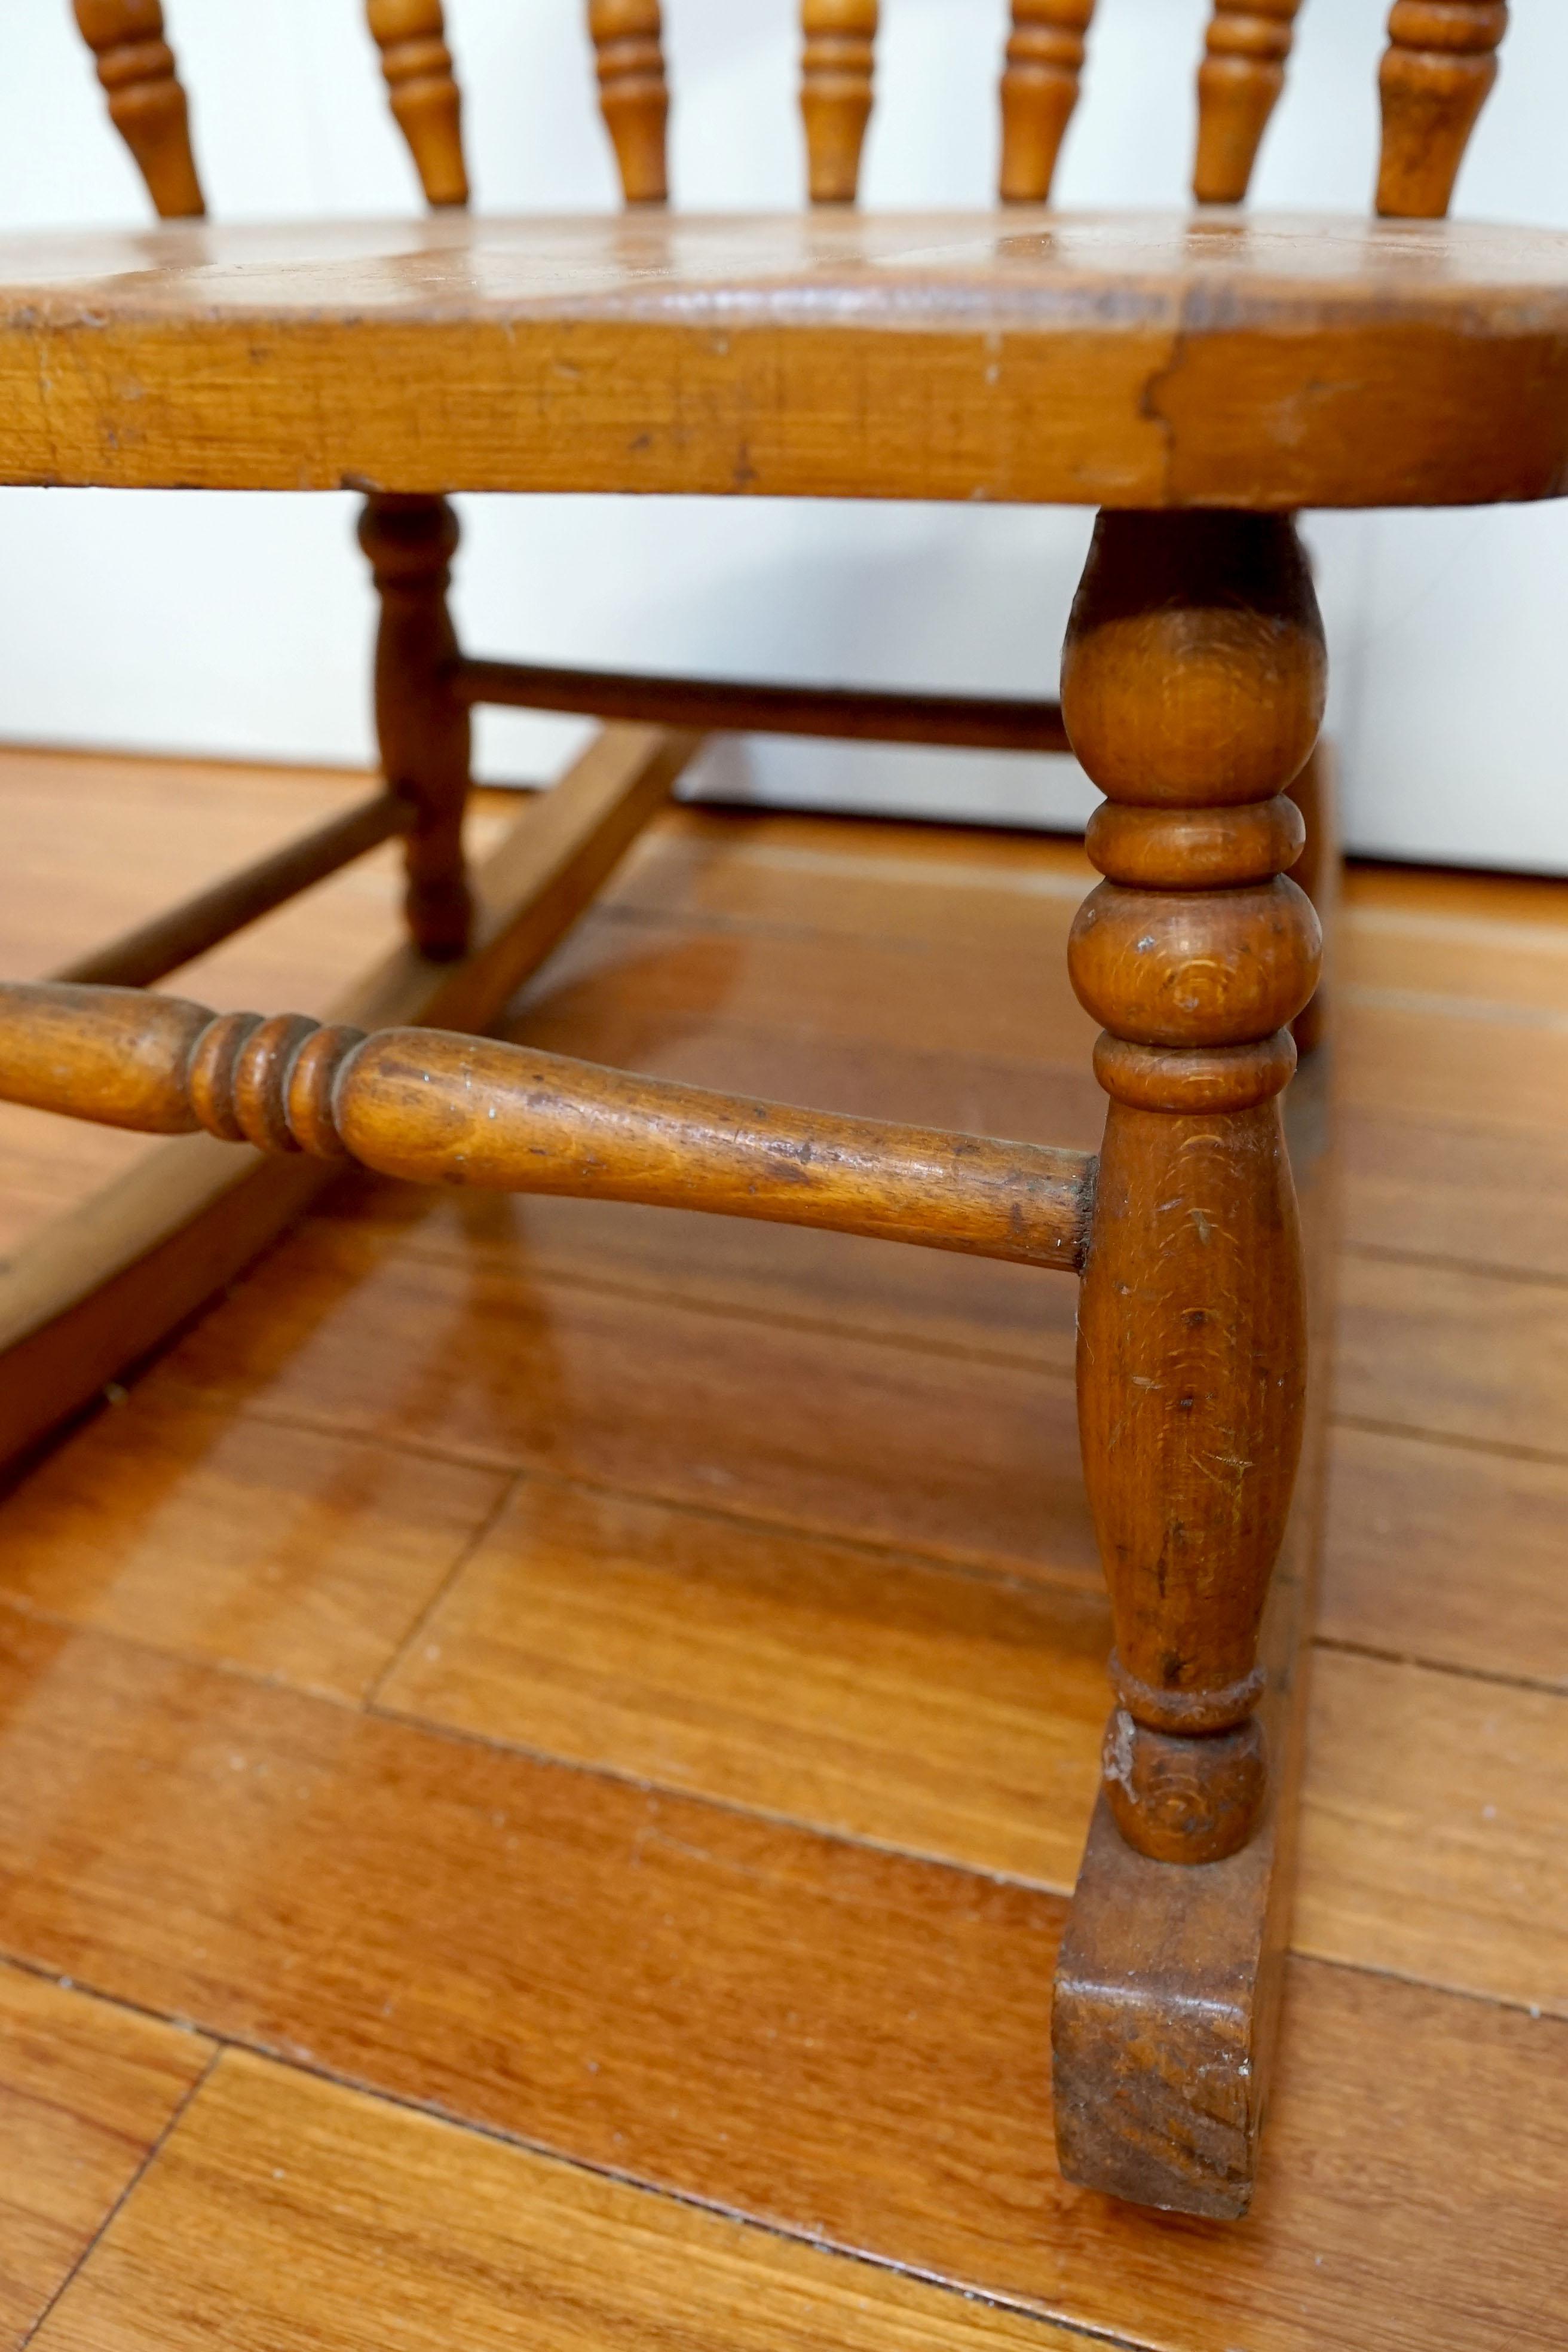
(1484, 1200)
(1475, 956)
(288, 2213)
(846, 2043)
(1478, 1357)
(1447, 1555)
(86, 2091)
(1409, 1059)
(844, 1435)
(1433, 1829)
(945, 1715)
(288, 1552)
(1016, 1003)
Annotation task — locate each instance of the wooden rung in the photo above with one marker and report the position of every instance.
(100, 1287)
(139, 957)
(437, 1108)
(955, 722)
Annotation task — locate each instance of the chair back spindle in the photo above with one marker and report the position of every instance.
(838, 64)
(425, 103)
(1437, 73)
(633, 95)
(146, 103)
(1040, 90)
(1239, 82)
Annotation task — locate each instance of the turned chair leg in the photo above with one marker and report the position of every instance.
(1193, 691)
(422, 723)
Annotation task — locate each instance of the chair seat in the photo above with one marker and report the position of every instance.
(1124, 360)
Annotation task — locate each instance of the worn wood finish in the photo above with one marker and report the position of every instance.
(152, 950)
(437, 1108)
(1168, 1987)
(747, 2015)
(1193, 688)
(721, 706)
(422, 723)
(1437, 73)
(146, 103)
(1039, 92)
(98, 1290)
(837, 67)
(634, 96)
(425, 103)
(271, 2212)
(87, 2091)
(1242, 361)
(1239, 85)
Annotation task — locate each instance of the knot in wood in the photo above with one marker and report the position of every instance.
(1182, 1798)
(1183, 968)
(271, 1082)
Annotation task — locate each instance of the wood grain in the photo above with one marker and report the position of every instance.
(1475, 1198)
(831, 2038)
(284, 1552)
(86, 2093)
(967, 1459)
(1458, 1354)
(872, 1695)
(1432, 1831)
(111, 1278)
(432, 1106)
(1410, 1522)
(1242, 362)
(286, 2210)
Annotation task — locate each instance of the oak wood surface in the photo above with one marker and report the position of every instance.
(87, 2091)
(273, 2215)
(102, 1286)
(430, 1105)
(292, 1553)
(1145, 361)
(843, 714)
(767, 2021)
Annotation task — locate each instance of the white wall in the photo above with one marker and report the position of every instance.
(240, 625)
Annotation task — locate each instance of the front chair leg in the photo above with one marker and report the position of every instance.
(422, 723)
(1193, 691)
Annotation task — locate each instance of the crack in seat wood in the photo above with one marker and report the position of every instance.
(1171, 359)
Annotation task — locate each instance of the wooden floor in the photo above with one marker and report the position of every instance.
(542, 1746)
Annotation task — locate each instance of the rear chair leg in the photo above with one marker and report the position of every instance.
(422, 723)
(1193, 690)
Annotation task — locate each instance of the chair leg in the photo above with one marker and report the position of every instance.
(1317, 871)
(1193, 690)
(422, 724)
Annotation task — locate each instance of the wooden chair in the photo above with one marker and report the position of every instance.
(1199, 378)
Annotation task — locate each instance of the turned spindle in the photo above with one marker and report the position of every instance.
(837, 68)
(146, 103)
(1436, 74)
(439, 1108)
(422, 721)
(633, 97)
(1039, 91)
(427, 104)
(1239, 82)
(1193, 690)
